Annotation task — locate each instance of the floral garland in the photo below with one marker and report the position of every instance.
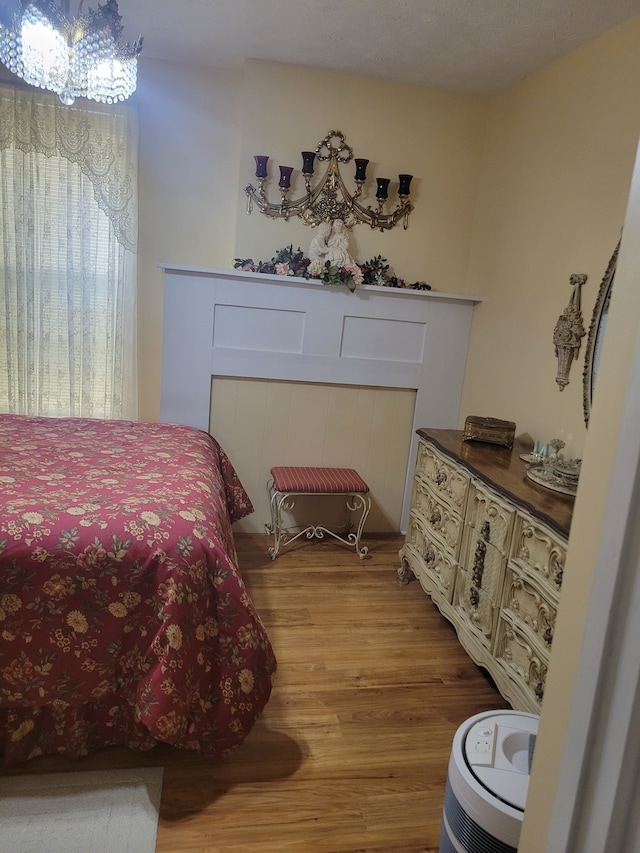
(293, 263)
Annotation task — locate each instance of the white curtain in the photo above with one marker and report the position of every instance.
(68, 232)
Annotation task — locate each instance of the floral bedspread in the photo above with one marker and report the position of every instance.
(123, 615)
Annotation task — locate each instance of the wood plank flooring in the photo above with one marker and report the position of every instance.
(351, 752)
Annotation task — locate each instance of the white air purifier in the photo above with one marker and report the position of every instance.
(487, 783)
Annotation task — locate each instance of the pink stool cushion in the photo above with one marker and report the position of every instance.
(338, 481)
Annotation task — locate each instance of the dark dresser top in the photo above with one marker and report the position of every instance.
(502, 468)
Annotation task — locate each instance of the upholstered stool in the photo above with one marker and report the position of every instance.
(288, 483)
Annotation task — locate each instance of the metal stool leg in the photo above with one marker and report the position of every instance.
(277, 501)
(282, 538)
(365, 502)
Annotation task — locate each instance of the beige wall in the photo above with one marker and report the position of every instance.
(553, 192)
(436, 136)
(441, 146)
(189, 130)
(289, 423)
(618, 353)
(512, 195)
(199, 132)
(546, 199)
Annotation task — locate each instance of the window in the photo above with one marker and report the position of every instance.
(68, 228)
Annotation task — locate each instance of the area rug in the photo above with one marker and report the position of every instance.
(101, 811)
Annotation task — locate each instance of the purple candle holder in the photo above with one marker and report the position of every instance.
(261, 165)
(285, 177)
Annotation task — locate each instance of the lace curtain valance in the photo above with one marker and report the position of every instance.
(68, 229)
(102, 141)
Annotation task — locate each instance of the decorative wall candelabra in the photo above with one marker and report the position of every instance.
(330, 199)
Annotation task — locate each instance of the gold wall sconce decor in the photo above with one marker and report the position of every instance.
(569, 332)
(330, 199)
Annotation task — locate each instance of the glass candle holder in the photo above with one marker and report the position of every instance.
(383, 188)
(285, 177)
(404, 184)
(261, 165)
(307, 162)
(361, 169)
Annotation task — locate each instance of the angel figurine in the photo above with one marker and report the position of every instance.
(319, 248)
(338, 245)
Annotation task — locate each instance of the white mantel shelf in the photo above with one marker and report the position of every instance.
(232, 323)
(294, 281)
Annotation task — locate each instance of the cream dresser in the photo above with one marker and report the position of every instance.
(488, 546)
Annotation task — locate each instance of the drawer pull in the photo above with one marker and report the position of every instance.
(429, 556)
(478, 563)
(539, 690)
(558, 571)
(441, 478)
(477, 572)
(435, 517)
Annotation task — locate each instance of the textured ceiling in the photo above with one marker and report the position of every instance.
(479, 46)
(476, 46)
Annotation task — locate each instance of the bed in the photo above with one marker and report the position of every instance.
(124, 619)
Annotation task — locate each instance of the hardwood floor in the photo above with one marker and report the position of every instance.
(351, 752)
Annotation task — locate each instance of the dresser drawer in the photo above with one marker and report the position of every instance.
(538, 551)
(529, 606)
(447, 479)
(483, 565)
(437, 516)
(490, 516)
(522, 659)
(430, 563)
(479, 619)
(478, 587)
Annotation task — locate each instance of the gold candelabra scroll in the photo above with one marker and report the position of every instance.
(569, 332)
(330, 199)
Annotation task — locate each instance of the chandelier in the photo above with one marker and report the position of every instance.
(79, 57)
(330, 199)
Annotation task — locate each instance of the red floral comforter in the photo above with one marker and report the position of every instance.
(123, 616)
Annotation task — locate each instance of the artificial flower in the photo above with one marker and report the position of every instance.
(292, 262)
